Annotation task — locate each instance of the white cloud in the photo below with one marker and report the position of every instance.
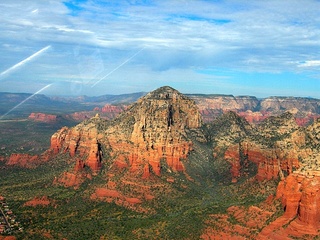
(261, 36)
(310, 63)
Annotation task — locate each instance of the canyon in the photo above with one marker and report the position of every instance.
(167, 144)
(210, 106)
(153, 138)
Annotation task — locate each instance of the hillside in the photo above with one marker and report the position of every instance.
(158, 171)
(210, 105)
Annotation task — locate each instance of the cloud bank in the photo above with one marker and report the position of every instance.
(94, 45)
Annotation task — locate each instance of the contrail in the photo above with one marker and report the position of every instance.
(25, 61)
(118, 67)
(25, 100)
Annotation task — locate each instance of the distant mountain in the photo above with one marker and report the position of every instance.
(23, 104)
(210, 105)
(104, 99)
(251, 103)
(16, 98)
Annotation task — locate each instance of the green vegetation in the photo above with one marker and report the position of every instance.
(73, 215)
(179, 211)
(24, 136)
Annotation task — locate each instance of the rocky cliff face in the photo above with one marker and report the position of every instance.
(256, 110)
(148, 140)
(270, 150)
(225, 102)
(279, 149)
(81, 142)
(300, 197)
(277, 104)
(42, 117)
(154, 129)
(26, 160)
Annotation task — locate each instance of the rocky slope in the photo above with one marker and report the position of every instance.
(256, 110)
(159, 147)
(147, 141)
(277, 149)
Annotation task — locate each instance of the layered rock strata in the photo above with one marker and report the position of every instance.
(42, 117)
(146, 141)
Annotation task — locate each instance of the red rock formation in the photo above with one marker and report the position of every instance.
(107, 112)
(232, 155)
(79, 165)
(43, 201)
(80, 116)
(42, 117)
(112, 109)
(26, 160)
(94, 159)
(300, 198)
(71, 179)
(159, 121)
(147, 140)
(79, 142)
(58, 139)
(226, 102)
(271, 162)
(254, 117)
(112, 195)
(8, 238)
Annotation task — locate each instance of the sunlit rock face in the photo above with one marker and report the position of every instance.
(80, 142)
(154, 129)
(272, 163)
(42, 117)
(299, 191)
(28, 161)
(134, 150)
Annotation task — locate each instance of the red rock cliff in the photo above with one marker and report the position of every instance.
(154, 129)
(80, 142)
(300, 197)
(145, 141)
(42, 117)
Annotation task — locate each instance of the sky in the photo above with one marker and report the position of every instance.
(97, 47)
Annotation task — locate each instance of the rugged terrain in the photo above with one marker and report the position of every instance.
(164, 163)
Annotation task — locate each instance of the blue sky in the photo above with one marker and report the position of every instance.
(96, 47)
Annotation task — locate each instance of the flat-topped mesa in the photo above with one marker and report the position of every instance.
(155, 127)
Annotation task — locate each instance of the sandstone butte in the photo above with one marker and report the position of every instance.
(137, 140)
(270, 162)
(42, 117)
(106, 112)
(277, 158)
